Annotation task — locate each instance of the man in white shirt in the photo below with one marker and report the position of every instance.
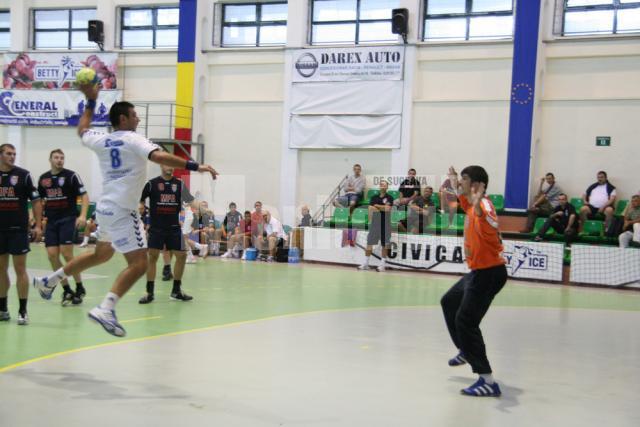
(123, 157)
(273, 235)
(599, 198)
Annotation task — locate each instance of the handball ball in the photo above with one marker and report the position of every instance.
(86, 76)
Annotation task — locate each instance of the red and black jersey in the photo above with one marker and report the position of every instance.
(60, 192)
(165, 201)
(16, 189)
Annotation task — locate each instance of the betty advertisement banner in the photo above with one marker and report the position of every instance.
(444, 254)
(52, 107)
(35, 70)
(348, 64)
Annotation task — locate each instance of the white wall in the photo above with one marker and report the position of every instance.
(459, 110)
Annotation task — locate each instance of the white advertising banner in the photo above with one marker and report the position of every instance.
(345, 64)
(41, 70)
(605, 265)
(52, 107)
(345, 132)
(444, 254)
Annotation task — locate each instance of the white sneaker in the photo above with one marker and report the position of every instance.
(94, 235)
(381, 268)
(191, 259)
(44, 287)
(107, 319)
(364, 267)
(84, 244)
(226, 255)
(203, 250)
(270, 258)
(23, 319)
(244, 256)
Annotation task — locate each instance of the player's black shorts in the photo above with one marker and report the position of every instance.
(379, 231)
(168, 238)
(14, 242)
(60, 232)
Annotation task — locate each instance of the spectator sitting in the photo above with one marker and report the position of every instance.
(631, 227)
(409, 189)
(231, 231)
(273, 236)
(448, 199)
(306, 220)
(353, 190)
(245, 232)
(545, 202)
(563, 220)
(599, 199)
(257, 223)
(420, 213)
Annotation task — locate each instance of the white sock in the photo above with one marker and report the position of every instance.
(85, 240)
(366, 260)
(56, 277)
(109, 302)
(488, 378)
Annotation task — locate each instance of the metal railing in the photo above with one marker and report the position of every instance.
(321, 214)
(158, 123)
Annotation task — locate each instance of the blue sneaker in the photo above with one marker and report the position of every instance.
(44, 288)
(107, 319)
(459, 360)
(481, 389)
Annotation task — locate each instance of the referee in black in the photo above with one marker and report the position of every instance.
(60, 189)
(166, 195)
(16, 189)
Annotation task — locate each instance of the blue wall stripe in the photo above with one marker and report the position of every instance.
(525, 51)
(187, 31)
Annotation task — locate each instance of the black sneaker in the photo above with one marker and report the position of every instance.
(146, 299)
(166, 275)
(69, 298)
(80, 291)
(180, 296)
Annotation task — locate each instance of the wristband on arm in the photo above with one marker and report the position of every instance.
(192, 166)
(90, 104)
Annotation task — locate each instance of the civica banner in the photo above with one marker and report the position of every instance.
(52, 107)
(35, 70)
(348, 64)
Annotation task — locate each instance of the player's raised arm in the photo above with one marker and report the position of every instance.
(167, 159)
(90, 91)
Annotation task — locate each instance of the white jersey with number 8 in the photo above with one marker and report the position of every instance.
(123, 157)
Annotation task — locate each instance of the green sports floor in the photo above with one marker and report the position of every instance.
(261, 342)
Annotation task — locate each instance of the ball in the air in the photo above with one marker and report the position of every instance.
(86, 76)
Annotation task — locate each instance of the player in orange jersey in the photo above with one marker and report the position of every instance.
(466, 303)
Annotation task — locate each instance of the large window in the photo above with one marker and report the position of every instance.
(254, 24)
(468, 19)
(149, 28)
(62, 28)
(5, 27)
(586, 17)
(352, 21)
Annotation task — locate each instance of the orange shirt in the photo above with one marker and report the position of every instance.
(482, 242)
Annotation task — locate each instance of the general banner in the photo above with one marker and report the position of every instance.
(36, 70)
(444, 254)
(348, 64)
(52, 107)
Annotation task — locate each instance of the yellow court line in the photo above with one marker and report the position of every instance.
(141, 318)
(264, 319)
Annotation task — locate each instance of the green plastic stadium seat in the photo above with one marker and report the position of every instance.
(457, 224)
(621, 205)
(394, 193)
(593, 231)
(498, 202)
(438, 224)
(369, 195)
(360, 218)
(397, 215)
(538, 226)
(435, 198)
(577, 203)
(340, 218)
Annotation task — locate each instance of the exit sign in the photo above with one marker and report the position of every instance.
(603, 141)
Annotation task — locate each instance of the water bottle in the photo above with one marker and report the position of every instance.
(294, 255)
